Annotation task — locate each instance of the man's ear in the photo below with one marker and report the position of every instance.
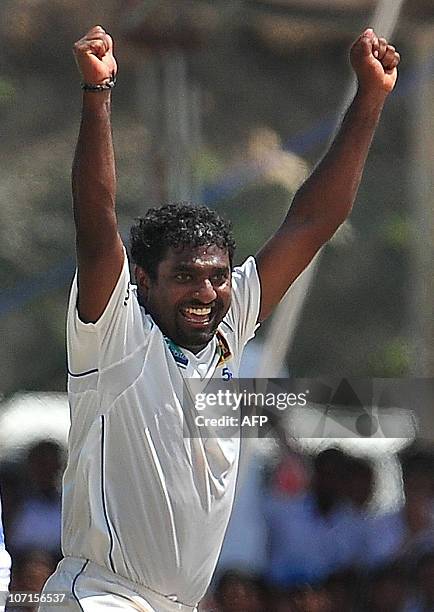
(142, 280)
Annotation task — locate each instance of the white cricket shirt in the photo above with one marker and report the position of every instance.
(2, 540)
(5, 564)
(139, 496)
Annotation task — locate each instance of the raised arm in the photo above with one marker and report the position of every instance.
(326, 198)
(99, 246)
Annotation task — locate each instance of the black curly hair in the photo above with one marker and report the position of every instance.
(177, 225)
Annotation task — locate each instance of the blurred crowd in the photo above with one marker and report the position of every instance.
(326, 551)
(31, 497)
(329, 551)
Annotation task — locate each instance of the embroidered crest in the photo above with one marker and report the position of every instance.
(225, 351)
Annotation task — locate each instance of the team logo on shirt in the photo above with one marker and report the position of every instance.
(225, 356)
(222, 348)
(178, 355)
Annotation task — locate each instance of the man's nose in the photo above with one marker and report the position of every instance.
(205, 292)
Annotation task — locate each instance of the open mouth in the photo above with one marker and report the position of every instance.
(198, 316)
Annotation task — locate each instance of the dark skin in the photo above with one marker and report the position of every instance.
(188, 279)
(319, 207)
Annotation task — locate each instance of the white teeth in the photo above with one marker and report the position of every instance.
(198, 311)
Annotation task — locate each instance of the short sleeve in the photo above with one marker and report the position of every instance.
(2, 541)
(117, 333)
(242, 317)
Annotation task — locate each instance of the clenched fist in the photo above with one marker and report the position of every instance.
(374, 62)
(94, 57)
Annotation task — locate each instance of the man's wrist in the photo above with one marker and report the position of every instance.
(95, 102)
(369, 102)
(371, 97)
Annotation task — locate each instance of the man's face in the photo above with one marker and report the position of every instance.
(190, 295)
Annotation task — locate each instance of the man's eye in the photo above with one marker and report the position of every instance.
(183, 277)
(219, 278)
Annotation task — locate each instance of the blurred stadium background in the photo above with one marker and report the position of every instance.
(231, 103)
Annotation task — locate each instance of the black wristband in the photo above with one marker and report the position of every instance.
(101, 87)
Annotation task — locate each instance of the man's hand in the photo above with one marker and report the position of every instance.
(375, 63)
(94, 56)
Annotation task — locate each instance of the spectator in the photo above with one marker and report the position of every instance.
(342, 588)
(30, 571)
(279, 601)
(310, 600)
(316, 533)
(424, 600)
(238, 591)
(406, 531)
(360, 483)
(388, 590)
(37, 521)
(290, 476)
